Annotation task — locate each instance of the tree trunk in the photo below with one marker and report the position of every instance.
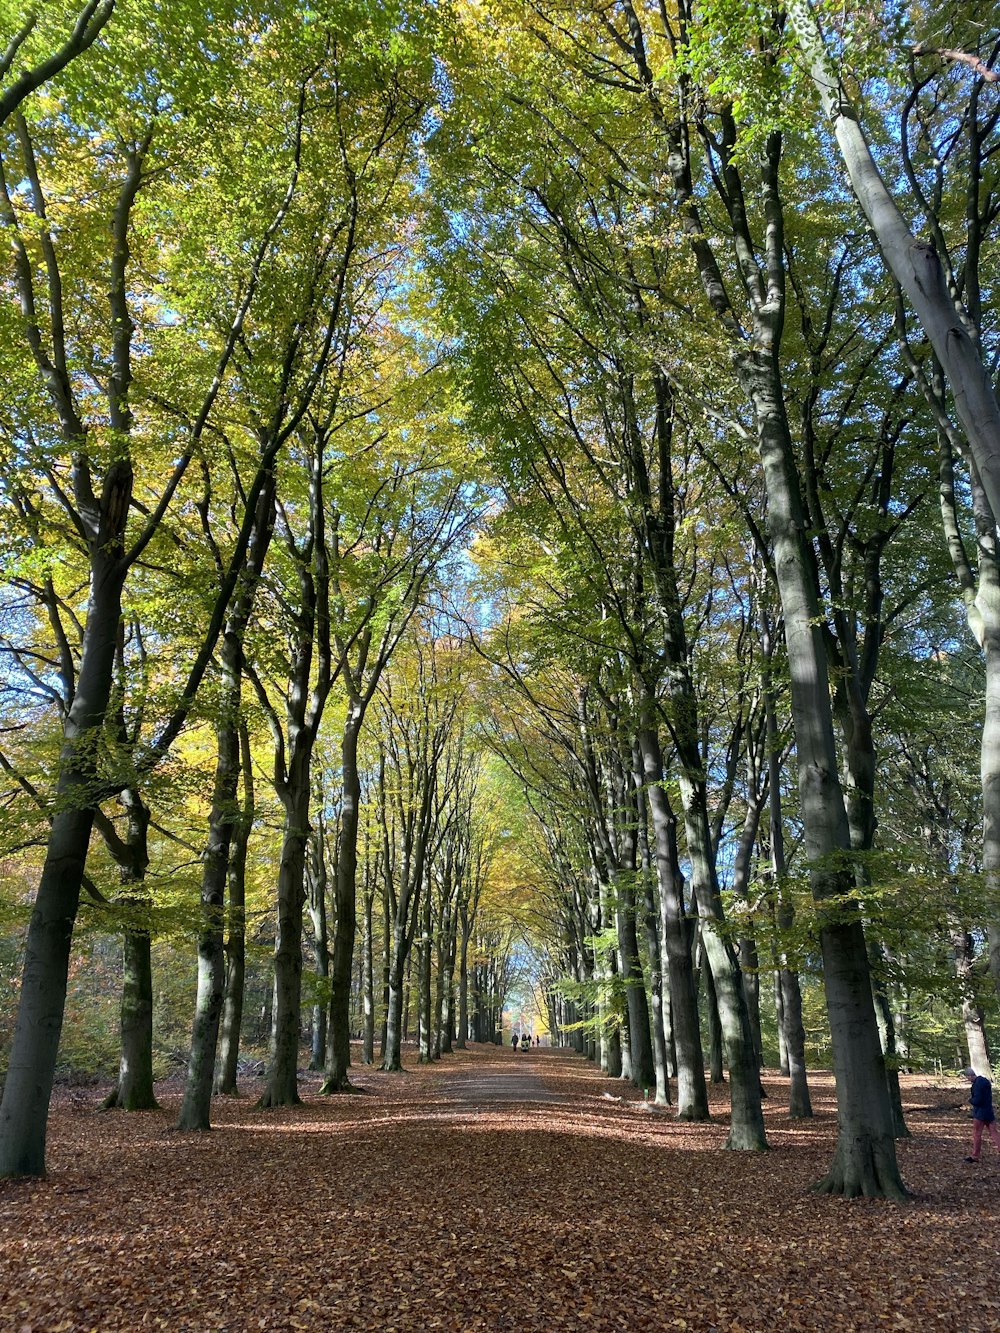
(750, 970)
(134, 1089)
(988, 605)
(887, 1037)
(231, 1030)
(386, 959)
(662, 1094)
(692, 1097)
(446, 980)
(32, 1064)
(368, 981)
(392, 1060)
(425, 1016)
(196, 1108)
(972, 1013)
(282, 1086)
(779, 1013)
(716, 1073)
(640, 1045)
(463, 983)
(788, 995)
(746, 1131)
(338, 1053)
(865, 1159)
(317, 881)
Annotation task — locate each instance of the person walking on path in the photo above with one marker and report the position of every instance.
(983, 1116)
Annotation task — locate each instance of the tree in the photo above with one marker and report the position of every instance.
(916, 265)
(88, 462)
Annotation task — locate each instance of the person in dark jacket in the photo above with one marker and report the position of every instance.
(983, 1115)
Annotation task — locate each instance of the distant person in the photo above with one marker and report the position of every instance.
(525, 1041)
(513, 1040)
(538, 1041)
(983, 1115)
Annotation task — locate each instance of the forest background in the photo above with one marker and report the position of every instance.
(498, 504)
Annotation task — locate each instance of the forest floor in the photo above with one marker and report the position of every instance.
(491, 1191)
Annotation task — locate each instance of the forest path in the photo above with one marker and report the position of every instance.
(512, 1079)
(488, 1193)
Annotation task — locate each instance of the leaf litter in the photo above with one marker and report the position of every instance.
(491, 1192)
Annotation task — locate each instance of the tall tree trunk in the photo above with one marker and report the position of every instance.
(282, 1085)
(788, 994)
(651, 926)
(408, 996)
(195, 1111)
(338, 1054)
(196, 1107)
(368, 980)
(747, 1123)
(692, 1097)
(392, 1059)
(133, 1090)
(386, 960)
(972, 1013)
(988, 609)
(865, 1158)
(231, 1030)
(425, 1017)
(446, 979)
(779, 1013)
(716, 1073)
(41, 1005)
(463, 981)
(750, 968)
(640, 1044)
(316, 876)
(747, 1120)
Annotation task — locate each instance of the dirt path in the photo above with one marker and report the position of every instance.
(515, 1080)
(489, 1192)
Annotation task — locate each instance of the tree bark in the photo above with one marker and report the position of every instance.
(231, 1029)
(692, 1097)
(972, 1013)
(865, 1159)
(425, 1017)
(368, 979)
(281, 1087)
(653, 949)
(133, 1090)
(195, 1113)
(316, 877)
(788, 994)
(31, 1068)
(463, 980)
(338, 1047)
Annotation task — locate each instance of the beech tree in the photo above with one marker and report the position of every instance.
(89, 466)
(915, 264)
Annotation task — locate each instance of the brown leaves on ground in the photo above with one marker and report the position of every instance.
(490, 1192)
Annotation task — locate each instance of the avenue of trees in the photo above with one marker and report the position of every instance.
(497, 505)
